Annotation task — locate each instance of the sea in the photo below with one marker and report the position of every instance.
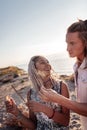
(61, 63)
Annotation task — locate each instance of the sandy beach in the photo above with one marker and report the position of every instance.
(22, 85)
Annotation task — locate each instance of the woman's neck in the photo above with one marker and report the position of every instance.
(47, 83)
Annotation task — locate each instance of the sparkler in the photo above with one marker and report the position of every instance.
(18, 94)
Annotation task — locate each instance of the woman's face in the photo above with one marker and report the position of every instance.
(75, 46)
(43, 67)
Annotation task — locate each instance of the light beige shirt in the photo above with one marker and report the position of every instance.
(81, 84)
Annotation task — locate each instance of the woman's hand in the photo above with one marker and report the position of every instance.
(35, 106)
(47, 94)
(11, 107)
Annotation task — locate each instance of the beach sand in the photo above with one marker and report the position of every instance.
(22, 85)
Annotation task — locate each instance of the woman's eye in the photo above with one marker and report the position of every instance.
(47, 61)
(42, 63)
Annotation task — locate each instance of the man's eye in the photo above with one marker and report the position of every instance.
(72, 43)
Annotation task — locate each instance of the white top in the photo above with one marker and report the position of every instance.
(81, 84)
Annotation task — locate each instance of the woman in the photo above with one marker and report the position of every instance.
(76, 39)
(49, 116)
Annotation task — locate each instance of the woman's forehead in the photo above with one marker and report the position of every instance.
(41, 59)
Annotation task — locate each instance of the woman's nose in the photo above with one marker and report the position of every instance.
(48, 65)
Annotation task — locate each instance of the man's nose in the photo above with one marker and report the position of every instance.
(68, 48)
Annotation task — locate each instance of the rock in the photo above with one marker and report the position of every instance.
(9, 73)
(67, 77)
(6, 78)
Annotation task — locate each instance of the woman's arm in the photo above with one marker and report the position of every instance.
(51, 95)
(26, 122)
(80, 108)
(64, 116)
(59, 117)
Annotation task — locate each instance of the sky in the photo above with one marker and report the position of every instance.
(35, 27)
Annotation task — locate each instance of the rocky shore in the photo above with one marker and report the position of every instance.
(15, 76)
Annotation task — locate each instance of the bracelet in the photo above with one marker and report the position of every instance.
(52, 114)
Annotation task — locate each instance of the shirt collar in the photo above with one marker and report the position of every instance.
(82, 66)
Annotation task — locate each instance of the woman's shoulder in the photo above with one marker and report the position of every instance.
(61, 83)
(64, 89)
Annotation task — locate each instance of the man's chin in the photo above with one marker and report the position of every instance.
(72, 56)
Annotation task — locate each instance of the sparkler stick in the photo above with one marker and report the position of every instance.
(18, 94)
